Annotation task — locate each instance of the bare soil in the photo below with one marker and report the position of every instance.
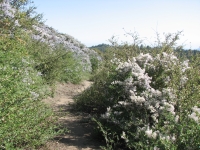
(79, 136)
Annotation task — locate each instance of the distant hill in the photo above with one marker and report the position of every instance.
(101, 47)
(187, 53)
(183, 53)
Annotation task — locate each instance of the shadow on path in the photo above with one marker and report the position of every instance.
(80, 135)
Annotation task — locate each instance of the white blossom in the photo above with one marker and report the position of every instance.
(39, 74)
(193, 116)
(149, 132)
(173, 138)
(17, 23)
(34, 95)
(183, 80)
(156, 148)
(123, 136)
(144, 59)
(196, 109)
(176, 118)
(107, 114)
(137, 99)
(185, 65)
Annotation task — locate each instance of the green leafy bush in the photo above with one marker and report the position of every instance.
(95, 64)
(25, 120)
(56, 64)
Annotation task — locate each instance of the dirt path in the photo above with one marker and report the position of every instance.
(79, 137)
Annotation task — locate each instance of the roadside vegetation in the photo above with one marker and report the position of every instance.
(146, 98)
(142, 97)
(29, 70)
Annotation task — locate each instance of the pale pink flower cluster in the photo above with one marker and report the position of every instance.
(29, 79)
(7, 9)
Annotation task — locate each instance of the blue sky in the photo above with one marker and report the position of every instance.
(95, 21)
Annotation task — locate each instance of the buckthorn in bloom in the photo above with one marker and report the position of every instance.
(147, 100)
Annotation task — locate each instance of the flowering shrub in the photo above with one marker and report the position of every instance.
(154, 103)
(51, 37)
(25, 120)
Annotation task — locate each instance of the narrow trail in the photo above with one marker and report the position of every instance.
(79, 137)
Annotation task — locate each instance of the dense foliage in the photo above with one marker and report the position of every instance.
(142, 97)
(25, 121)
(146, 100)
(28, 71)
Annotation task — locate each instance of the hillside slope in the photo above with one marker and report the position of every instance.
(43, 33)
(52, 37)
